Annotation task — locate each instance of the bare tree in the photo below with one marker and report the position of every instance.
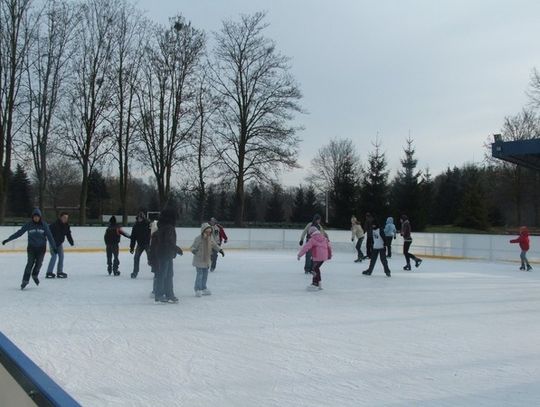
(167, 99)
(85, 131)
(130, 37)
(63, 174)
(47, 70)
(15, 41)
(259, 98)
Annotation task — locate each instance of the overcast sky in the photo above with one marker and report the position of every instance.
(446, 71)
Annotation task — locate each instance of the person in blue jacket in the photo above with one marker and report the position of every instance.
(390, 234)
(38, 234)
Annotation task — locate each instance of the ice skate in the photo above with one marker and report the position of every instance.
(206, 291)
(388, 275)
(116, 273)
(417, 263)
(61, 274)
(198, 293)
(522, 268)
(366, 273)
(50, 275)
(407, 267)
(36, 279)
(133, 275)
(358, 260)
(313, 287)
(529, 268)
(172, 300)
(24, 284)
(161, 300)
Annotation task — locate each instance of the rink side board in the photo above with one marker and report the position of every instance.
(23, 383)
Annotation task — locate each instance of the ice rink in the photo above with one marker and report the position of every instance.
(452, 333)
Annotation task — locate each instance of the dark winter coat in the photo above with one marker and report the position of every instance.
(368, 226)
(166, 236)
(38, 233)
(140, 234)
(406, 230)
(60, 232)
(112, 235)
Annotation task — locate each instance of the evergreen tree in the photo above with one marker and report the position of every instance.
(312, 206)
(374, 190)
(223, 209)
(211, 201)
(447, 197)
(407, 197)
(299, 206)
(97, 193)
(344, 196)
(473, 212)
(274, 209)
(20, 193)
(427, 199)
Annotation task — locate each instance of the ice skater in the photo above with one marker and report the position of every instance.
(379, 250)
(368, 227)
(319, 247)
(38, 234)
(308, 265)
(60, 230)
(390, 234)
(523, 240)
(163, 249)
(407, 241)
(112, 240)
(202, 249)
(140, 235)
(357, 233)
(220, 237)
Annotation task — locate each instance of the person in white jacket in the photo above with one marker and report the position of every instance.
(357, 233)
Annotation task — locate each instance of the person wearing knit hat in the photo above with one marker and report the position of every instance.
(220, 237)
(38, 234)
(202, 248)
(523, 240)
(316, 222)
(112, 241)
(319, 247)
(140, 235)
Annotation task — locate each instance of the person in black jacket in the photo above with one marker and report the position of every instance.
(378, 249)
(140, 234)
(368, 227)
(60, 230)
(163, 250)
(38, 234)
(112, 240)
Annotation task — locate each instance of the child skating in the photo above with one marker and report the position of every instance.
(202, 255)
(523, 240)
(112, 240)
(321, 251)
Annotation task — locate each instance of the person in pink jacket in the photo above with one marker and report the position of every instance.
(320, 252)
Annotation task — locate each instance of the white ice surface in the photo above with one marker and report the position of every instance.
(453, 333)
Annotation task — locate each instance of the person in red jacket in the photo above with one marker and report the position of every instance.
(523, 241)
(320, 248)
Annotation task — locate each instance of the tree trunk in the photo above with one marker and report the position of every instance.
(83, 198)
(239, 202)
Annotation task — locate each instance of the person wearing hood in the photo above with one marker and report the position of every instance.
(140, 235)
(112, 241)
(219, 236)
(38, 234)
(202, 248)
(163, 249)
(357, 233)
(60, 230)
(319, 247)
(390, 234)
(407, 241)
(308, 265)
(523, 240)
(378, 249)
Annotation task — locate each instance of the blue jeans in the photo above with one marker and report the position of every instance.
(200, 280)
(60, 254)
(164, 279)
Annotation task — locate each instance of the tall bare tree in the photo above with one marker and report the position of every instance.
(85, 130)
(15, 41)
(130, 37)
(167, 99)
(259, 97)
(47, 70)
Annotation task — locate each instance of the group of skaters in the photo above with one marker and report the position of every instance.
(157, 239)
(317, 249)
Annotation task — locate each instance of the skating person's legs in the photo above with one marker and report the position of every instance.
(213, 259)
(52, 262)
(372, 261)
(308, 265)
(388, 245)
(524, 261)
(198, 287)
(382, 254)
(406, 246)
(168, 286)
(116, 262)
(109, 251)
(31, 260)
(159, 284)
(137, 259)
(358, 247)
(369, 247)
(317, 272)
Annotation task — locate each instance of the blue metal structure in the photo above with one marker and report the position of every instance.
(34, 381)
(522, 152)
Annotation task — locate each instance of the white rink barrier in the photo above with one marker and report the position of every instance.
(445, 245)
